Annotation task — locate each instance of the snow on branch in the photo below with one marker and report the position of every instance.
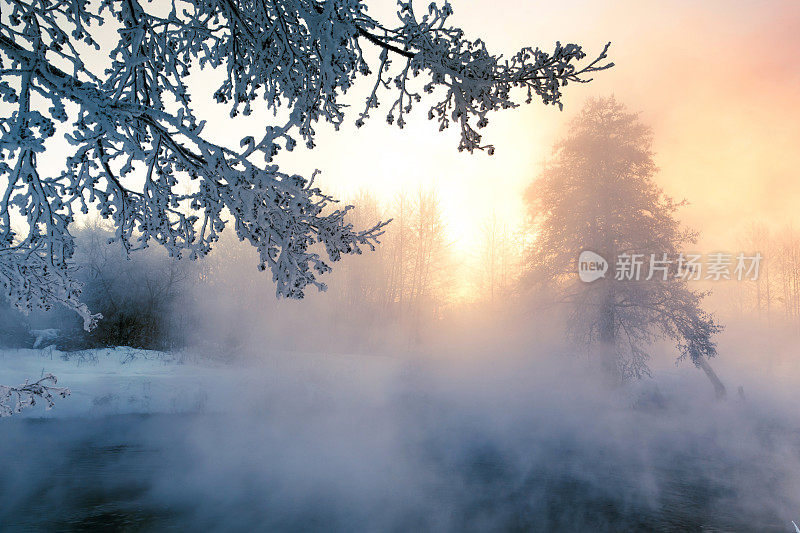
(139, 155)
(475, 82)
(15, 399)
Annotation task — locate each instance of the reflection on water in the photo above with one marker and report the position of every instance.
(131, 473)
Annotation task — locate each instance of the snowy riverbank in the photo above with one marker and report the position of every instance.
(124, 380)
(111, 381)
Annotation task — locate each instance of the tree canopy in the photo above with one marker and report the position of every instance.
(597, 193)
(139, 154)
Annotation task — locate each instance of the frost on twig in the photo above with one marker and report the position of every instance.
(15, 399)
(139, 154)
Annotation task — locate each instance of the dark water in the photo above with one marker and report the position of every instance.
(146, 473)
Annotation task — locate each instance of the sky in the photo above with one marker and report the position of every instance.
(717, 81)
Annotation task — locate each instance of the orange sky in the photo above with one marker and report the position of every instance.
(718, 82)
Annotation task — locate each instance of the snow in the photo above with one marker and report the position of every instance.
(43, 336)
(125, 380)
(112, 381)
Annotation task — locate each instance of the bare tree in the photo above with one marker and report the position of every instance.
(431, 268)
(363, 281)
(407, 280)
(755, 296)
(787, 265)
(396, 243)
(499, 259)
(142, 297)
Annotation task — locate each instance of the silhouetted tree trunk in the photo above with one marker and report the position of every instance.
(608, 340)
(719, 388)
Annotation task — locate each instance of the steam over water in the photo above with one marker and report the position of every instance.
(445, 381)
(374, 443)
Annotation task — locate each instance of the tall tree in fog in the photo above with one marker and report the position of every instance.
(431, 268)
(142, 297)
(396, 243)
(597, 193)
(788, 270)
(363, 280)
(113, 76)
(498, 259)
(410, 273)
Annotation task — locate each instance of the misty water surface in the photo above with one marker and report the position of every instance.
(470, 452)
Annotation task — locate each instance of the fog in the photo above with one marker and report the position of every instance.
(462, 376)
(488, 427)
(351, 410)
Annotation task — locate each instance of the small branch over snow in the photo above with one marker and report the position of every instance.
(15, 399)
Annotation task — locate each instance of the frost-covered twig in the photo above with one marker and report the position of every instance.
(140, 156)
(15, 399)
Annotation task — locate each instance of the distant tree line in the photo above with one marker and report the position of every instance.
(149, 300)
(408, 281)
(774, 296)
(142, 297)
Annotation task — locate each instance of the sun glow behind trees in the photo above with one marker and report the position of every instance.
(728, 181)
(718, 142)
(135, 123)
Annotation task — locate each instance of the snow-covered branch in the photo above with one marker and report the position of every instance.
(474, 81)
(139, 155)
(15, 399)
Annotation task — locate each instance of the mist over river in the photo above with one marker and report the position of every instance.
(411, 451)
